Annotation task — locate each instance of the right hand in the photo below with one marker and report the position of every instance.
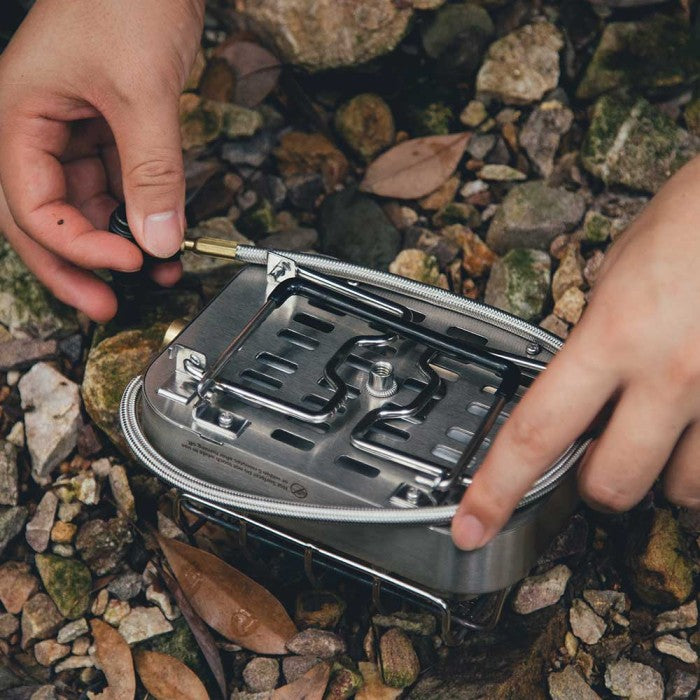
(89, 93)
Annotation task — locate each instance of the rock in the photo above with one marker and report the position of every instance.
(345, 681)
(86, 488)
(112, 363)
(304, 191)
(239, 121)
(73, 662)
(102, 544)
(121, 491)
(314, 642)
(602, 602)
(126, 586)
(334, 34)
(67, 581)
(632, 143)
(305, 154)
(163, 601)
(501, 173)
(299, 238)
(318, 608)
(143, 623)
(63, 533)
(9, 624)
(116, 611)
(442, 196)
(81, 646)
(585, 624)
(168, 528)
(398, 658)
(12, 520)
(519, 283)
(261, 674)
(522, 66)
(570, 305)
(252, 151)
(20, 353)
(434, 118)
(418, 265)
(532, 215)
(258, 221)
(294, 667)
(53, 422)
(457, 213)
(99, 604)
(17, 585)
(661, 573)
(69, 511)
(569, 685)
(684, 617)
(673, 646)
(71, 631)
(457, 36)
(477, 257)
(555, 325)
(593, 267)
(681, 684)
(26, 307)
(630, 679)
(636, 56)
(16, 435)
(366, 124)
(480, 145)
(40, 619)
(537, 592)
(48, 652)
(9, 492)
(569, 273)
(200, 120)
(473, 114)
(423, 624)
(597, 227)
(353, 227)
(542, 133)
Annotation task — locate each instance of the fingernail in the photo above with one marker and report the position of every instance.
(470, 531)
(162, 234)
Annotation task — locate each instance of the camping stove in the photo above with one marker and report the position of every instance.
(343, 411)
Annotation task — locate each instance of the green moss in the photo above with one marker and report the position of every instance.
(457, 213)
(258, 221)
(435, 118)
(597, 227)
(67, 581)
(528, 281)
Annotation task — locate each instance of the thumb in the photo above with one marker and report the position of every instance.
(148, 140)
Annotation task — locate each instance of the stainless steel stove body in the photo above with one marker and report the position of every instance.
(351, 416)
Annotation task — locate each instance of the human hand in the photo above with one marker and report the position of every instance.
(637, 346)
(89, 94)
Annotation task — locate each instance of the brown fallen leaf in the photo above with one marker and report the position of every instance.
(310, 686)
(373, 688)
(167, 678)
(114, 656)
(201, 632)
(415, 168)
(227, 600)
(256, 70)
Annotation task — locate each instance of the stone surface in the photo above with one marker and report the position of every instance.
(12, 519)
(305, 154)
(38, 531)
(423, 624)
(126, 586)
(501, 173)
(569, 685)
(52, 424)
(661, 573)
(569, 273)
(315, 642)
(353, 227)
(116, 611)
(477, 257)
(334, 34)
(9, 492)
(102, 544)
(398, 658)
(67, 581)
(21, 353)
(542, 133)
(570, 305)
(121, 491)
(261, 673)
(418, 265)
(143, 623)
(344, 682)
(48, 652)
(161, 598)
(532, 215)
(294, 667)
(17, 585)
(26, 307)
(366, 124)
(40, 619)
(673, 646)
(537, 592)
(585, 624)
(630, 142)
(73, 630)
(680, 618)
(630, 679)
(318, 608)
(603, 602)
(523, 65)
(681, 684)
(62, 532)
(519, 283)
(9, 624)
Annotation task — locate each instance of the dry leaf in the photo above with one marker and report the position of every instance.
(227, 600)
(373, 688)
(415, 168)
(201, 632)
(114, 656)
(167, 678)
(310, 686)
(255, 68)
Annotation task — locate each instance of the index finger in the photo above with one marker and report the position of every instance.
(561, 403)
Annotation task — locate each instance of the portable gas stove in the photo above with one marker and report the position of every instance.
(343, 411)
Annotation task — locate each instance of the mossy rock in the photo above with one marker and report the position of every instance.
(67, 581)
(366, 124)
(632, 143)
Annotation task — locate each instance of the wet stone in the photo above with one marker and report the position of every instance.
(17, 585)
(40, 619)
(38, 531)
(673, 646)
(684, 617)
(12, 519)
(569, 685)
(315, 642)
(537, 592)
(585, 624)
(9, 492)
(48, 652)
(261, 674)
(143, 623)
(294, 667)
(630, 679)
